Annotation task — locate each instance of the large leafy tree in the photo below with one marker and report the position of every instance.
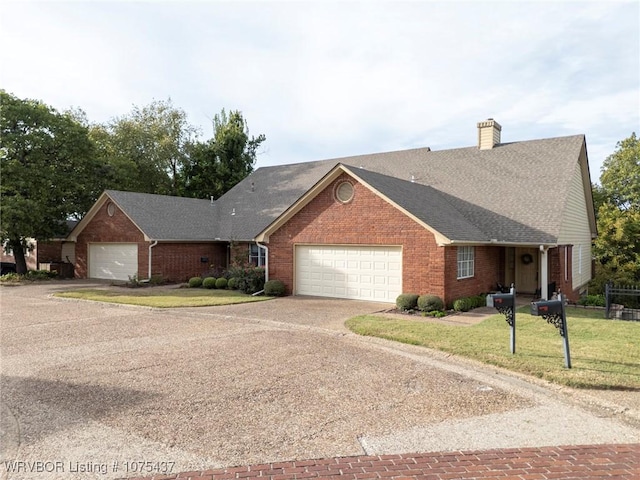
(217, 165)
(617, 247)
(147, 149)
(49, 172)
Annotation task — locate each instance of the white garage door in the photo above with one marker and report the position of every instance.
(356, 272)
(115, 261)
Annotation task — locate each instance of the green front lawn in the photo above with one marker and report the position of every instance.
(605, 354)
(163, 298)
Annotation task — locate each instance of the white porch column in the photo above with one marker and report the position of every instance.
(544, 273)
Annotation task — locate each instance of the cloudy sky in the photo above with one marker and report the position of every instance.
(328, 79)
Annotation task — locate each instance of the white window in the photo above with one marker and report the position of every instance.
(466, 261)
(256, 255)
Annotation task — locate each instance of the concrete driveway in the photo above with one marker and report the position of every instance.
(94, 390)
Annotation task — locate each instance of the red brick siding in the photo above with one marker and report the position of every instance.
(180, 261)
(105, 229)
(488, 271)
(49, 252)
(366, 220)
(173, 261)
(557, 271)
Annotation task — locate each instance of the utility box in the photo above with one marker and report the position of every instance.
(551, 307)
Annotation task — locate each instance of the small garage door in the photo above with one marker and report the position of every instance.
(356, 272)
(116, 261)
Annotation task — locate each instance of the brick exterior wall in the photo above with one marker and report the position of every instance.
(105, 229)
(173, 261)
(557, 271)
(488, 271)
(178, 262)
(366, 220)
(49, 252)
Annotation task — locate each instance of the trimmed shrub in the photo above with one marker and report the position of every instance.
(195, 282)
(249, 277)
(462, 305)
(429, 303)
(221, 283)
(477, 301)
(407, 301)
(209, 282)
(40, 275)
(274, 288)
(232, 284)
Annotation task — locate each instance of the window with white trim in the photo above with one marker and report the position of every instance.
(257, 255)
(466, 262)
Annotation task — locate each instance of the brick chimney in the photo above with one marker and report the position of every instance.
(488, 134)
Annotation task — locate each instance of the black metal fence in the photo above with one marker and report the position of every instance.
(622, 303)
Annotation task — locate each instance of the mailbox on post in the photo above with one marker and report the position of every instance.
(503, 300)
(553, 312)
(505, 303)
(551, 307)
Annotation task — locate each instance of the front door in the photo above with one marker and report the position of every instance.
(526, 270)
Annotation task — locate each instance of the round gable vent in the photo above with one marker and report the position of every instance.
(111, 209)
(344, 192)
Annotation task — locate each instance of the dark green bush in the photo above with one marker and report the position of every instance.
(195, 282)
(274, 288)
(478, 301)
(221, 283)
(40, 275)
(462, 305)
(209, 282)
(250, 278)
(592, 300)
(232, 284)
(429, 303)
(407, 301)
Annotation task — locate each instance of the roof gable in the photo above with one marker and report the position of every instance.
(513, 193)
(160, 217)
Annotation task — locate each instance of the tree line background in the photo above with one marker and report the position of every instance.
(55, 165)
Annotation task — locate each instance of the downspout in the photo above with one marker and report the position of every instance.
(155, 242)
(266, 260)
(266, 266)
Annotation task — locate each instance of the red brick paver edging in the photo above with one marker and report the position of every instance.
(566, 462)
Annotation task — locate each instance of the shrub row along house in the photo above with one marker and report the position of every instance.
(452, 223)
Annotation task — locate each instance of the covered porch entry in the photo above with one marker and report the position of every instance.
(535, 271)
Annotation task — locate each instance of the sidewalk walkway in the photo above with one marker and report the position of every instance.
(586, 462)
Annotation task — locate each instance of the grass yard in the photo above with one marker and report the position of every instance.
(163, 298)
(605, 354)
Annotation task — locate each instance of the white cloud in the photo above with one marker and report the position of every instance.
(325, 79)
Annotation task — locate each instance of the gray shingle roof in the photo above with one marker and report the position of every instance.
(514, 192)
(163, 217)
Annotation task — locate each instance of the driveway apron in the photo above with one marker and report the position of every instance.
(107, 391)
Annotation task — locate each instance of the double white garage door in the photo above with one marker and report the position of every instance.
(357, 272)
(114, 261)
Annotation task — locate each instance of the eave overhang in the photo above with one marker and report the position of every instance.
(323, 183)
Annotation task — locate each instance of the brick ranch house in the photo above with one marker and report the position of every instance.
(452, 223)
